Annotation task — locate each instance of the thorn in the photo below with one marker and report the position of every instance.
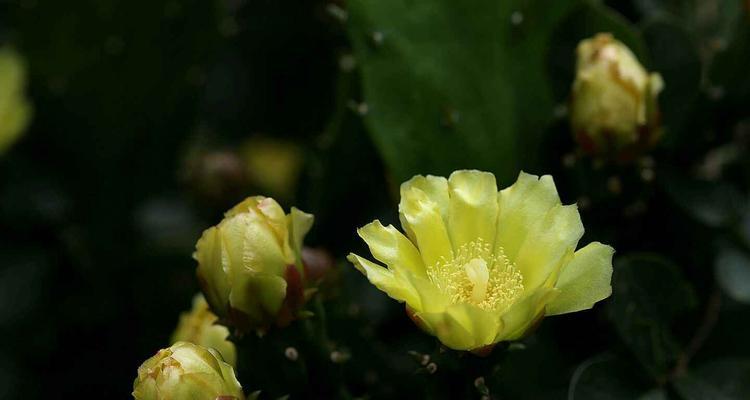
(614, 185)
(291, 354)
(481, 386)
(516, 18)
(338, 357)
(569, 160)
(376, 38)
(347, 62)
(431, 368)
(359, 108)
(337, 12)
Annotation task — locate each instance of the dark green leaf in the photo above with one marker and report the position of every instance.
(648, 294)
(717, 380)
(606, 377)
(453, 85)
(674, 55)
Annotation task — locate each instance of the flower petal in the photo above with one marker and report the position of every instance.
(542, 254)
(298, 223)
(473, 207)
(585, 280)
(259, 295)
(392, 248)
(431, 299)
(421, 215)
(522, 208)
(212, 269)
(385, 280)
(463, 326)
(523, 314)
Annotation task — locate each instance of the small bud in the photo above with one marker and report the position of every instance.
(614, 110)
(199, 327)
(15, 109)
(186, 371)
(250, 265)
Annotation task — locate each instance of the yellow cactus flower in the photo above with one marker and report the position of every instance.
(250, 265)
(614, 109)
(199, 327)
(15, 109)
(186, 371)
(478, 266)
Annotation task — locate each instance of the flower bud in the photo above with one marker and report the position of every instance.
(199, 327)
(250, 266)
(272, 165)
(15, 109)
(186, 371)
(614, 110)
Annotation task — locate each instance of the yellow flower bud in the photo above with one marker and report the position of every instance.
(186, 371)
(199, 327)
(250, 266)
(15, 109)
(478, 266)
(272, 165)
(614, 110)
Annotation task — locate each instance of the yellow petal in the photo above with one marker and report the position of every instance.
(463, 326)
(299, 223)
(585, 280)
(435, 188)
(422, 218)
(384, 279)
(259, 295)
(542, 254)
(252, 245)
(522, 208)
(392, 248)
(212, 269)
(473, 207)
(431, 299)
(523, 314)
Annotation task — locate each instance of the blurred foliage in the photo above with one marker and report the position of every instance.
(100, 211)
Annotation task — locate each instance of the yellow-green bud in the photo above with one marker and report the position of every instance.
(272, 165)
(15, 109)
(250, 266)
(186, 371)
(614, 110)
(199, 326)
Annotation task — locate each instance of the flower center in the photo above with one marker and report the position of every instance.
(478, 276)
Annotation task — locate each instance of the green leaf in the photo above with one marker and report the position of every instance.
(674, 55)
(717, 380)
(733, 273)
(729, 73)
(649, 293)
(452, 84)
(608, 378)
(711, 203)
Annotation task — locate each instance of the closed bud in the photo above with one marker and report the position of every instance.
(199, 327)
(186, 371)
(15, 109)
(614, 110)
(250, 266)
(273, 165)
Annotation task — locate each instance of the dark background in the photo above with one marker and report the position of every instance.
(142, 107)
